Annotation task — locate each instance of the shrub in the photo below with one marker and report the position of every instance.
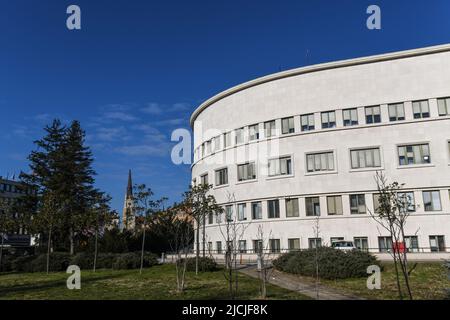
(6, 265)
(84, 260)
(59, 261)
(204, 264)
(333, 263)
(23, 264)
(132, 260)
(105, 260)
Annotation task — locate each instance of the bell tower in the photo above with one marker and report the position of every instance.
(128, 218)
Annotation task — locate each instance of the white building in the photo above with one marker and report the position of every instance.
(330, 127)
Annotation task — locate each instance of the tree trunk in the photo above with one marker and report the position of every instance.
(1, 251)
(405, 265)
(72, 251)
(204, 235)
(143, 247)
(197, 251)
(48, 249)
(95, 249)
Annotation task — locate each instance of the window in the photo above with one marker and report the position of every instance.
(444, 106)
(292, 209)
(385, 244)
(412, 244)
(219, 217)
(273, 207)
(307, 122)
(437, 244)
(221, 177)
(246, 171)
(227, 140)
(274, 245)
(203, 149)
(317, 162)
(256, 211)
(242, 212)
(280, 167)
(219, 247)
(396, 112)
(239, 136)
(208, 147)
(350, 117)
(365, 158)
(287, 125)
(421, 109)
(373, 114)
(204, 179)
(328, 120)
(414, 154)
(293, 244)
(314, 243)
(432, 200)
(242, 246)
(406, 200)
(258, 246)
(357, 204)
(376, 203)
(229, 213)
(334, 205)
(216, 144)
(253, 132)
(210, 247)
(211, 218)
(269, 129)
(361, 243)
(312, 206)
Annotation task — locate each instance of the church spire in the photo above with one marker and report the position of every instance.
(130, 186)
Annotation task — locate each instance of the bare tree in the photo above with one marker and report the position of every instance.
(392, 214)
(263, 252)
(316, 231)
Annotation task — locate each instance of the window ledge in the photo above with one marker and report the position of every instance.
(367, 169)
(320, 173)
(221, 186)
(414, 166)
(246, 181)
(281, 177)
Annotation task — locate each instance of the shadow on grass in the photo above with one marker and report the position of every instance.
(29, 287)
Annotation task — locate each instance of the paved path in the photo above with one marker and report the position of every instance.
(295, 283)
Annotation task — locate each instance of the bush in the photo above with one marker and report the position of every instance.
(59, 261)
(23, 264)
(6, 265)
(84, 260)
(204, 264)
(105, 260)
(333, 263)
(133, 260)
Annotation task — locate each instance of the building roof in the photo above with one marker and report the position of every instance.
(316, 68)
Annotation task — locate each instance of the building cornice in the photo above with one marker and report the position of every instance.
(316, 68)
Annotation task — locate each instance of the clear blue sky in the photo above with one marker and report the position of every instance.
(137, 69)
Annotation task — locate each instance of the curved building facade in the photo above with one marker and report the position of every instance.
(299, 149)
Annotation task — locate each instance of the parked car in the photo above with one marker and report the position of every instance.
(343, 245)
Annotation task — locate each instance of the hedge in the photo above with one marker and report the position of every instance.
(204, 264)
(333, 263)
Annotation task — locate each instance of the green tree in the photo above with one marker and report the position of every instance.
(7, 223)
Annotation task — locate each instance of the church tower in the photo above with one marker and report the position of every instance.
(128, 218)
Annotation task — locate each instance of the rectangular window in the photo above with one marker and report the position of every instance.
(227, 140)
(361, 243)
(314, 243)
(219, 247)
(216, 144)
(432, 200)
(246, 171)
(412, 243)
(328, 119)
(211, 218)
(357, 204)
(396, 112)
(421, 109)
(208, 147)
(273, 208)
(294, 244)
(287, 125)
(242, 214)
(406, 201)
(350, 117)
(204, 179)
(317, 162)
(365, 158)
(229, 213)
(444, 106)
(242, 246)
(269, 129)
(312, 206)
(336, 239)
(258, 246)
(280, 167)
(414, 154)
(274, 245)
(256, 211)
(239, 136)
(253, 132)
(334, 205)
(210, 247)
(385, 244)
(307, 122)
(376, 203)
(373, 114)
(292, 209)
(437, 244)
(219, 217)
(222, 177)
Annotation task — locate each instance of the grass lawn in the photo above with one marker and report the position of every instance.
(156, 283)
(428, 281)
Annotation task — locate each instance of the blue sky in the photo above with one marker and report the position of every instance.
(137, 69)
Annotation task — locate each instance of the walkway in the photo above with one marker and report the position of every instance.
(295, 283)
